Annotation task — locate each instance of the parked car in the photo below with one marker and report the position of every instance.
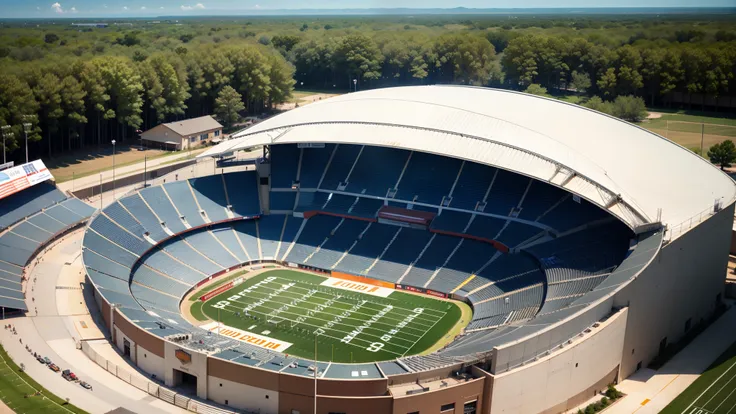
(85, 385)
(69, 375)
(40, 359)
(46, 360)
(54, 367)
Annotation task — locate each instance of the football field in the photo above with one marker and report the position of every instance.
(714, 392)
(287, 311)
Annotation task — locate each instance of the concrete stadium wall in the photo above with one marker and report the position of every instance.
(241, 396)
(430, 402)
(682, 283)
(150, 362)
(197, 366)
(566, 378)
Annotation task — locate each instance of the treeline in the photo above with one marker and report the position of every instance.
(651, 69)
(88, 86)
(76, 102)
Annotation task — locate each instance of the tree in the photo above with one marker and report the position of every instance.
(463, 58)
(536, 89)
(72, 102)
(48, 95)
(129, 39)
(50, 38)
(629, 108)
(228, 106)
(16, 100)
(597, 104)
(580, 81)
(285, 42)
(358, 57)
(723, 154)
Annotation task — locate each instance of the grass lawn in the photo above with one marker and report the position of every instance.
(714, 392)
(292, 306)
(80, 164)
(14, 385)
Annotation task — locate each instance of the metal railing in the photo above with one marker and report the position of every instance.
(677, 230)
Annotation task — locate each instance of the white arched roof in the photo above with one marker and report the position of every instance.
(629, 171)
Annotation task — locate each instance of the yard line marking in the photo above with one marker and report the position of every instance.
(727, 397)
(321, 319)
(420, 338)
(338, 339)
(285, 294)
(389, 298)
(706, 390)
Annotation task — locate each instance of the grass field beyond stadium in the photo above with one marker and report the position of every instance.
(714, 392)
(294, 307)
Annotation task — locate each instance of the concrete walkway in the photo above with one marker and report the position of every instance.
(649, 391)
(53, 328)
(120, 172)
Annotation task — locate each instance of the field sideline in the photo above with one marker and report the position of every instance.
(292, 307)
(714, 392)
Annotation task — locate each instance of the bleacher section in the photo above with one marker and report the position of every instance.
(282, 200)
(340, 166)
(210, 194)
(471, 187)
(25, 203)
(314, 162)
(242, 192)
(20, 242)
(428, 178)
(377, 171)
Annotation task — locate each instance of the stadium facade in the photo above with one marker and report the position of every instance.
(584, 244)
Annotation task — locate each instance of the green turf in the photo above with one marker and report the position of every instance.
(720, 398)
(196, 311)
(418, 335)
(15, 385)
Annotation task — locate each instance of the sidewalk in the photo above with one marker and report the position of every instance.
(649, 391)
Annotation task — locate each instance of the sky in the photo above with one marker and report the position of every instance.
(146, 8)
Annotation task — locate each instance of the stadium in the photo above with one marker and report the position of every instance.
(415, 250)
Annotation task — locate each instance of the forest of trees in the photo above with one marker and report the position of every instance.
(85, 86)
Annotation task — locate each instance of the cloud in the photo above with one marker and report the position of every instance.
(143, 7)
(125, 7)
(57, 7)
(38, 8)
(104, 5)
(187, 7)
(73, 10)
(161, 8)
(257, 6)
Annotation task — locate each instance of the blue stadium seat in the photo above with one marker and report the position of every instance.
(269, 231)
(160, 204)
(27, 202)
(342, 162)
(284, 165)
(314, 162)
(472, 185)
(242, 191)
(182, 197)
(282, 200)
(367, 249)
(377, 170)
(210, 194)
(429, 177)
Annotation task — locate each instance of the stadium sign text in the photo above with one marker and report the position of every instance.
(247, 337)
(357, 287)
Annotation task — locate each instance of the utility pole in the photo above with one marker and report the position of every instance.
(113, 170)
(702, 137)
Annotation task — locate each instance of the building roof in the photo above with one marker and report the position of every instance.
(193, 125)
(638, 176)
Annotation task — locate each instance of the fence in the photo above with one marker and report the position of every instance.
(693, 135)
(678, 229)
(151, 387)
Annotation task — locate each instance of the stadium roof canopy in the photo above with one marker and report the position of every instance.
(623, 168)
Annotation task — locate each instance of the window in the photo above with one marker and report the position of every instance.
(192, 140)
(203, 137)
(447, 407)
(470, 407)
(413, 412)
(217, 133)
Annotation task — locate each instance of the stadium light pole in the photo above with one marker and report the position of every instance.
(6, 134)
(26, 127)
(355, 84)
(113, 169)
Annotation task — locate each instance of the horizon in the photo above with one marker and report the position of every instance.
(93, 9)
